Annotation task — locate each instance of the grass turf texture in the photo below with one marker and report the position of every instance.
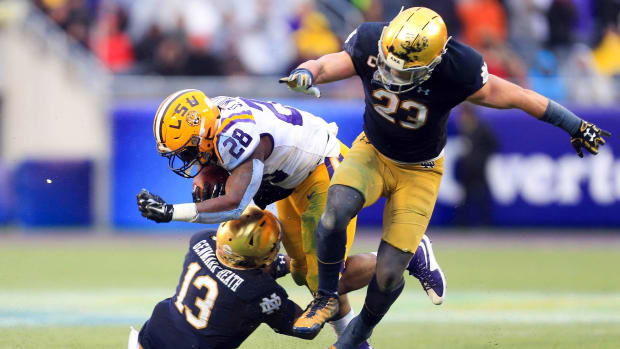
(505, 293)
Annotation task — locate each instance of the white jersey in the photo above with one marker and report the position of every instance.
(301, 141)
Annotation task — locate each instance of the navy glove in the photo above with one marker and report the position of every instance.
(280, 266)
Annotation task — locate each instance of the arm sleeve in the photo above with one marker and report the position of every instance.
(282, 319)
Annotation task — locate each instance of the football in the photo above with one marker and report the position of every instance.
(210, 177)
(211, 174)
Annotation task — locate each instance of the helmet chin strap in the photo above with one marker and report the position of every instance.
(201, 134)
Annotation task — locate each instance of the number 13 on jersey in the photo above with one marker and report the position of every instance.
(393, 106)
(204, 304)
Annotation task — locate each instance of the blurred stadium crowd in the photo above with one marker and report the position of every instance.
(565, 49)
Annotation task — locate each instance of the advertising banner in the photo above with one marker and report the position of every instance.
(533, 178)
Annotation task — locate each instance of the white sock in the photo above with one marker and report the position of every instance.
(340, 324)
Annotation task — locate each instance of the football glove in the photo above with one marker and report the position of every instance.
(280, 266)
(589, 137)
(301, 80)
(153, 207)
(209, 191)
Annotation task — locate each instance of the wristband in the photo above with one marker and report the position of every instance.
(561, 117)
(184, 212)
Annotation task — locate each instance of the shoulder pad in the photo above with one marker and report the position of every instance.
(257, 285)
(226, 103)
(203, 235)
(362, 43)
(465, 66)
(236, 139)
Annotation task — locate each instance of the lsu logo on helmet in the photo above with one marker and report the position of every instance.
(184, 128)
(193, 118)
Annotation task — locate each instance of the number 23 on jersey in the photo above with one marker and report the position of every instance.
(416, 113)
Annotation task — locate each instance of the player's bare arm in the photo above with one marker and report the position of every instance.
(330, 67)
(238, 182)
(501, 94)
(241, 186)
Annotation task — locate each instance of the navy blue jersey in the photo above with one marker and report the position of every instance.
(215, 306)
(411, 126)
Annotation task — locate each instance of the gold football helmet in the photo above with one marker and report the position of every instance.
(184, 129)
(410, 48)
(252, 241)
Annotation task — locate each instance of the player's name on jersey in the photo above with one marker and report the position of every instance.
(228, 277)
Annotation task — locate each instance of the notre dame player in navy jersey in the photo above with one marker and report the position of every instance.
(410, 126)
(413, 75)
(226, 289)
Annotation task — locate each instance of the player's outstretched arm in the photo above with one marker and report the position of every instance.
(241, 185)
(240, 188)
(501, 94)
(327, 68)
(283, 319)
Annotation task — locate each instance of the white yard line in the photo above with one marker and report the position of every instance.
(133, 306)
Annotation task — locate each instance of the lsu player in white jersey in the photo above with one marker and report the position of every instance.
(263, 145)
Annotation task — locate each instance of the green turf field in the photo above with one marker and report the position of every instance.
(558, 293)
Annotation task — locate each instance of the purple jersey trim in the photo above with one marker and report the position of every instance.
(330, 167)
